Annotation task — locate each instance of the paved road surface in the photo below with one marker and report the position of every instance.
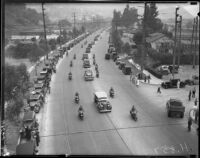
(110, 133)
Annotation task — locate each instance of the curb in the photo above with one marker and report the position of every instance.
(153, 84)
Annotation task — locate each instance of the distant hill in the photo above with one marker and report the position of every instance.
(19, 18)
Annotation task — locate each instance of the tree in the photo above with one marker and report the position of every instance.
(116, 21)
(153, 24)
(42, 45)
(35, 53)
(82, 29)
(64, 22)
(138, 37)
(126, 48)
(129, 16)
(52, 43)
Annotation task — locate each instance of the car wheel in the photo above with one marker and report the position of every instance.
(169, 114)
(182, 115)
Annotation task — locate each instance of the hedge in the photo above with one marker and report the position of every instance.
(154, 72)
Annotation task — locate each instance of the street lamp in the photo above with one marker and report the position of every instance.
(176, 15)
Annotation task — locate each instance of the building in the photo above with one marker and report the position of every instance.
(160, 43)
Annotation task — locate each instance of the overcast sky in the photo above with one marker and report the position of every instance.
(65, 10)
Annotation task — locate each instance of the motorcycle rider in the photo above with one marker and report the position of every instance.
(70, 74)
(111, 91)
(76, 96)
(133, 110)
(80, 110)
(71, 64)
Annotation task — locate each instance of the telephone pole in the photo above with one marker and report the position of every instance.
(179, 52)
(174, 51)
(195, 38)
(59, 24)
(74, 15)
(45, 37)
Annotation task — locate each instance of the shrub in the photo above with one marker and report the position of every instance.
(154, 72)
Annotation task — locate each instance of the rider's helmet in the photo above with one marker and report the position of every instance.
(80, 108)
(133, 108)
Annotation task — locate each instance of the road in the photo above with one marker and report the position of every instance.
(108, 133)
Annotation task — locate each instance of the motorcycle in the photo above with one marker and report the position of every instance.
(112, 93)
(74, 56)
(81, 115)
(71, 64)
(97, 74)
(76, 99)
(70, 76)
(134, 115)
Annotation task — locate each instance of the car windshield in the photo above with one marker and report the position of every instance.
(175, 103)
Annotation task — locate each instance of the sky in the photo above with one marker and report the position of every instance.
(65, 10)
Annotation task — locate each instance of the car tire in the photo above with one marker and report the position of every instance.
(182, 115)
(169, 114)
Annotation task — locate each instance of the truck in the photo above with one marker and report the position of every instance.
(175, 106)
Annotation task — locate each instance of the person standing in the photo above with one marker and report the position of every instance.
(178, 84)
(158, 90)
(189, 96)
(189, 123)
(193, 92)
(37, 138)
(195, 102)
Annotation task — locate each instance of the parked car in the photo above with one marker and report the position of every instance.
(85, 56)
(172, 84)
(86, 63)
(88, 75)
(121, 65)
(195, 79)
(35, 102)
(87, 50)
(126, 70)
(175, 106)
(27, 148)
(101, 101)
(107, 56)
(29, 119)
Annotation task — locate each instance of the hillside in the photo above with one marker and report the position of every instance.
(18, 17)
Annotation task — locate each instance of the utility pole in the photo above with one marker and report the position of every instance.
(59, 24)
(174, 51)
(45, 36)
(74, 15)
(191, 47)
(144, 38)
(179, 52)
(195, 38)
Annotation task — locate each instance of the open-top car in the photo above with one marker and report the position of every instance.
(88, 75)
(101, 100)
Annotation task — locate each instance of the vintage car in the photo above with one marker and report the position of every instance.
(127, 70)
(27, 148)
(195, 79)
(172, 84)
(86, 63)
(41, 79)
(44, 73)
(175, 106)
(85, 56)
(35, 102)
(87, 50)
(39, 88)
(88, 75)
(29, 119)
(101, 101)
(107, 56)
(122, 65)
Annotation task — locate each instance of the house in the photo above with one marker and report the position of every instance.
(160, 42)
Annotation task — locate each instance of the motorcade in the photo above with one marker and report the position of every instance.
(85, 56)
(86, 63)
(172, 83)
(175, 106)
(101, 101)
(88, 75)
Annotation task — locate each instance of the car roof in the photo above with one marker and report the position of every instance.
(29, 115)
(34, 96)
(101, 94)
(175, 99)
(25, 148)
(38, 85)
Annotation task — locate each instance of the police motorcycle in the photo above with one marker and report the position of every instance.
(133, 113)
(111, 92)
(76, 99)
(81, 113)
(70, 76)
(71, 63)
